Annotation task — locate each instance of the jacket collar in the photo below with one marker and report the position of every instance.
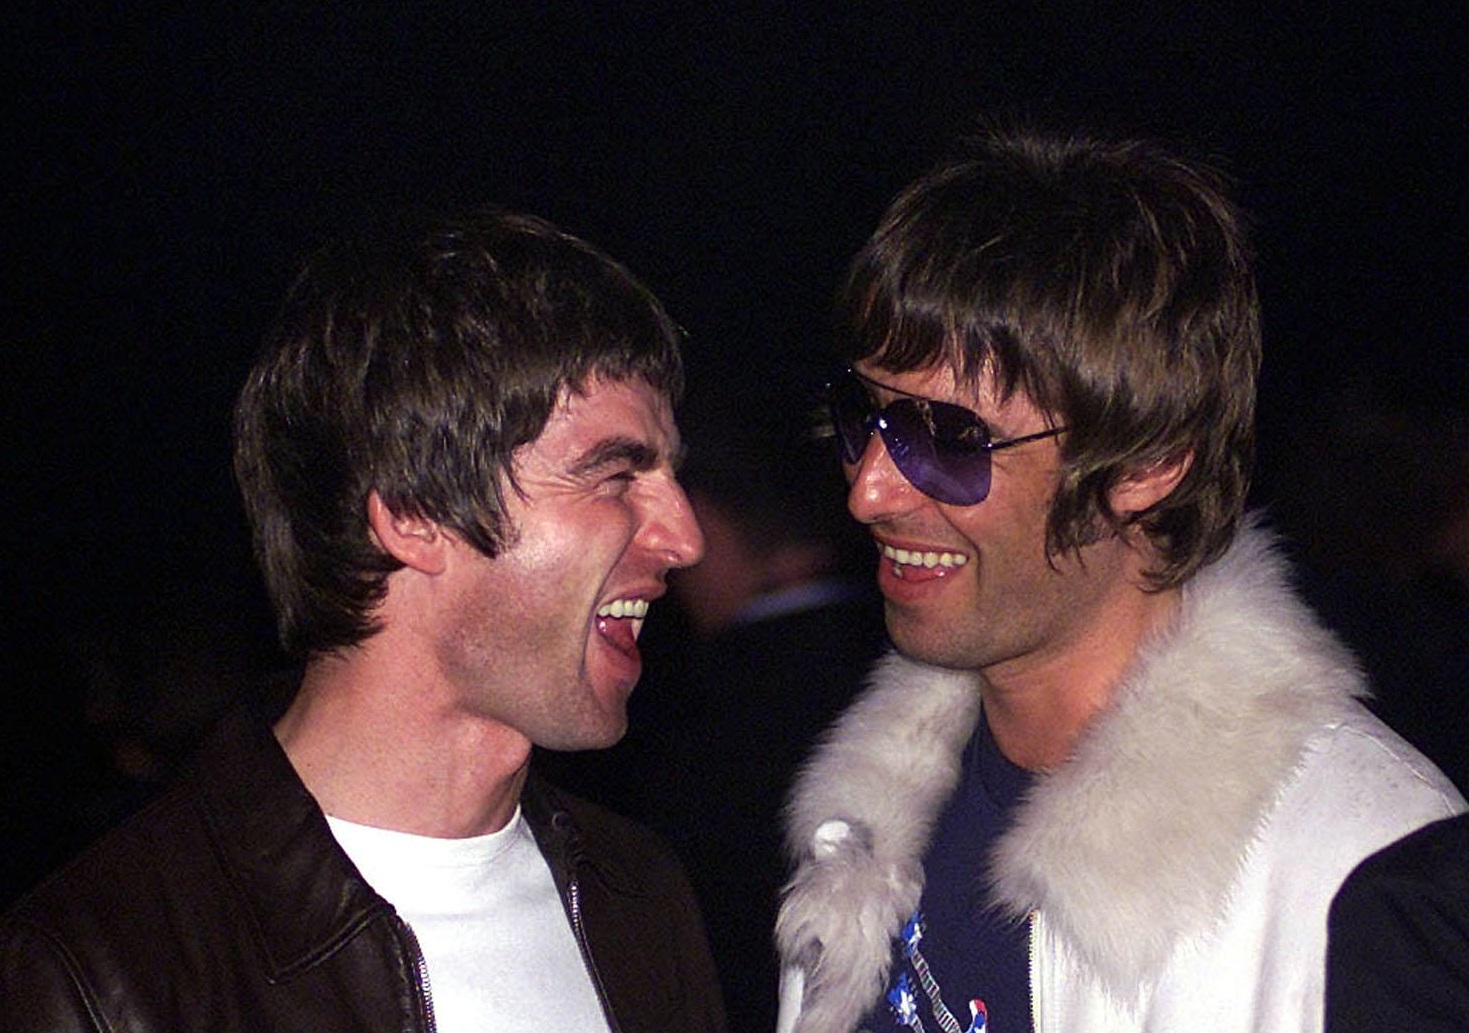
(1190, 752)
(302, 894)
(558, 821)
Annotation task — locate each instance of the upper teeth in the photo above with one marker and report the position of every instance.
(925, 559)
(637, 608)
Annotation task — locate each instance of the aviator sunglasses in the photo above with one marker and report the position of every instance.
(942, 449)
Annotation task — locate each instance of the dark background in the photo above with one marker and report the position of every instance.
(167, 164)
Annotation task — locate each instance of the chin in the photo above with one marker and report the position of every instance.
(583, 738)
(936, 652)
(608, 739)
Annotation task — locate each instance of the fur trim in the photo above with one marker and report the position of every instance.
(1129, 847)
(874, 790)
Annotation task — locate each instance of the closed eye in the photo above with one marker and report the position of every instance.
(617, 483)
(604, 457)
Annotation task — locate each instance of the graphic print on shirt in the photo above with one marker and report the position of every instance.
(903, 1000)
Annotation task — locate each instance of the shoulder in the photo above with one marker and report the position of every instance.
(182, 862)
(1359, 787)
(42, 986)
(111, 905)
(232, 779)
(124, 861)
(1359, 766)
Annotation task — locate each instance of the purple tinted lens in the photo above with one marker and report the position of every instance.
(942, 449)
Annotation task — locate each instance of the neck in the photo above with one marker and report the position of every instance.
(1038, 709)
(375, 746)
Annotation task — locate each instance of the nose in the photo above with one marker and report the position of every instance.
(877, 491)
(670, 527)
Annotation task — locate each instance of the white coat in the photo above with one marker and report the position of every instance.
(1176, 870)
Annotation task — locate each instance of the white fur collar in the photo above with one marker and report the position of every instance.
(1127, 848)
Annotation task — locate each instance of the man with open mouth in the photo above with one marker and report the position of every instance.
(457, 454)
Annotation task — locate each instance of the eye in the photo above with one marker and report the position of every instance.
(617, 483)
(958, 428)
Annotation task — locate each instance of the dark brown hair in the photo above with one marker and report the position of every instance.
(413, 361)
(1109, 282)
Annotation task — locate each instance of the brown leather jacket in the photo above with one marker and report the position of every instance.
(228, 906)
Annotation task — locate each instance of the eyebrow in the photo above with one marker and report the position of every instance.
(639, 455)
(870, 384)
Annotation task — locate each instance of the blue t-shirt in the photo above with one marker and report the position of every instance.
(960, 966)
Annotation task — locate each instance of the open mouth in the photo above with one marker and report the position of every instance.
(621, 622)
(912, 562)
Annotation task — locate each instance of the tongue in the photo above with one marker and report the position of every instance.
(619, 631)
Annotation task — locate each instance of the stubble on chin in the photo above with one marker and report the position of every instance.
(919, 638)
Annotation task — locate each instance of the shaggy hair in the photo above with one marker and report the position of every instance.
(1108, 282)
(413, 361)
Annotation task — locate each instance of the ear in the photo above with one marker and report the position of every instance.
(414, 541)
(1149, 485)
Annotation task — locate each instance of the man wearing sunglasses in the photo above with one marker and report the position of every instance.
(1114, 771)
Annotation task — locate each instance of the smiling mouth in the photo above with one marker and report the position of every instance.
(621, 622)
(914, 560)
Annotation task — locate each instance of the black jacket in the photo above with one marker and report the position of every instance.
(228, 906)
(1397, 946)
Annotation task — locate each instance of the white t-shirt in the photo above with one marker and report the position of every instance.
(498, 947)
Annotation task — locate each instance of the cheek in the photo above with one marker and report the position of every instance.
(584, 554)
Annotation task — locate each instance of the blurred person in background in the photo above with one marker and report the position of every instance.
(1369, 483)
(784, 632)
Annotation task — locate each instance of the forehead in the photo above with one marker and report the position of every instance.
(940, 383)
(937, 383)
(602, 408)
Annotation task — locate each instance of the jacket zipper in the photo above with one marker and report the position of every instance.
(1035, 1016)
(420, 966)
(578, 928)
